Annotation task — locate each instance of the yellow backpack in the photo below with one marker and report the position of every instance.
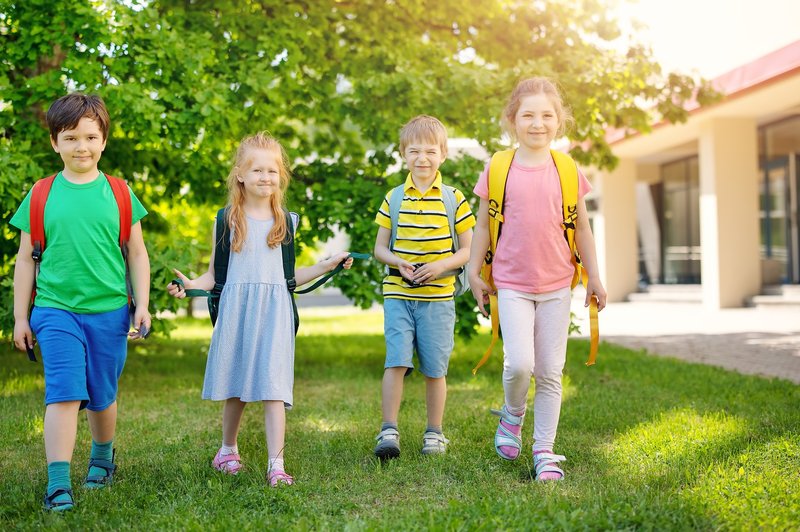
(568, 175)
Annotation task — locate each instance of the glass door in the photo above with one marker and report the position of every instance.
(680, 223)
(778, 225)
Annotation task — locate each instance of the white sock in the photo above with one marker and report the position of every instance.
(229, 449)
(276, 464)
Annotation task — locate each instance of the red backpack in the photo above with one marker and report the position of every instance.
(41, 189)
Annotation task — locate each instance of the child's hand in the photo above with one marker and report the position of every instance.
(141, 323)
(427, 272)
(481, 291)
(595, 288)
(406, 269)
(176, 290)
(332, 262)
(348, 263)
(23, 336)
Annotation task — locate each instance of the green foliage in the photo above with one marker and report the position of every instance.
(651, 444)
(333, 80)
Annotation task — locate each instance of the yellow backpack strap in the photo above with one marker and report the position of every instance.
(498, 174)
(568, 175)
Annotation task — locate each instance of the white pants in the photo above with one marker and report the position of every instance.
(535, 329)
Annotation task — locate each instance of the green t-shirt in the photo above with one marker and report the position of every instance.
(82, 268)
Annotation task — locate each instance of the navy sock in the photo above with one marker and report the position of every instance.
(58, 478)
(386, 425)
(437, 429)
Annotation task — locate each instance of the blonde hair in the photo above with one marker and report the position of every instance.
(426, 129)
(236, 217)
(530, 87)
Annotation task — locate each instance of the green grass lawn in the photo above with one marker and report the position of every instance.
(652, 443)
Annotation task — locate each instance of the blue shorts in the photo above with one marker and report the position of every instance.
(83, 354)
(422, 326)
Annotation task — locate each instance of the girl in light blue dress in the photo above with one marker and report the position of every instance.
(251, 357)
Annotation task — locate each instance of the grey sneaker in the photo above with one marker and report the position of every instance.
(434, 443)
(388, 444)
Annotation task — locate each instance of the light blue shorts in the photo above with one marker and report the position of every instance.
(422, 326)
(83, 354)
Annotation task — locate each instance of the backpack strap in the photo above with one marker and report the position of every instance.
(451, 207)
(39, 194)
(123, 198)
(499, 167)
(568, 176)
(395, 202)
(222, 255)
(288, 255)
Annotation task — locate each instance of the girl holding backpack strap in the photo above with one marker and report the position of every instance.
(251, 357)
(532, 268)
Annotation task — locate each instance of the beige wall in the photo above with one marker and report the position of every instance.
(615, 230)
(728, 154)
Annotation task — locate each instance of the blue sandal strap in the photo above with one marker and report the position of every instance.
(51, 504)
(546, 463)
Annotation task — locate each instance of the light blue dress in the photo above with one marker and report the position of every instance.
(252, 348)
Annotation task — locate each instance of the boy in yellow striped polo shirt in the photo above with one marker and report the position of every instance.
(423, 257)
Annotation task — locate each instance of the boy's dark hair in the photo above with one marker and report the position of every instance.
(67, 111)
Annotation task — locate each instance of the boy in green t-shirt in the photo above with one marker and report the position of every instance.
(81, 314)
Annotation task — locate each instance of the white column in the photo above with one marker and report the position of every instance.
(615, 230)
(729, 234)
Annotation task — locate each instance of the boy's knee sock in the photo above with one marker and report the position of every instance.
(101, 451)
(58, 477)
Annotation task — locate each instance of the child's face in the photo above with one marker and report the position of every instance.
(423, 159)
(536, 122)
(261, 176)
(80, 148)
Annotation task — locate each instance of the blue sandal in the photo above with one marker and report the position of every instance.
(546, 463)
(104, 479)
(504, 437)
(51, 505)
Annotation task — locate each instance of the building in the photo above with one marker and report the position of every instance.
(713, 201)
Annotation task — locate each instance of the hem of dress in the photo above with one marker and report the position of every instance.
(225, 397)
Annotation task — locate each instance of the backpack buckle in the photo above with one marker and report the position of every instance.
(291, 284)
(36, 254)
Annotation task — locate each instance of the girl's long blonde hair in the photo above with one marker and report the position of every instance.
(237, 220)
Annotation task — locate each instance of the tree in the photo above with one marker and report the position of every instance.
(332, 79)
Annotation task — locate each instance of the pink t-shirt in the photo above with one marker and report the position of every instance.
(532, 254)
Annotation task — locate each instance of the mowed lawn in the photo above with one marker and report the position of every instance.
(652, 443)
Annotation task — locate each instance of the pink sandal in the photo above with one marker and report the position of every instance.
(227, 463)
(276, 478)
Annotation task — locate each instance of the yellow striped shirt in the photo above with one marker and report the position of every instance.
(423, 235)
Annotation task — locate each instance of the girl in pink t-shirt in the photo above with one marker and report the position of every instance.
(532, 271)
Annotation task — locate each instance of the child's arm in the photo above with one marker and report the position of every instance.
(585, 242)
(385, 255)
(24, 272)
(204, 282)
(139, 264)
(477, 253)
(431, 271)
(309, 273)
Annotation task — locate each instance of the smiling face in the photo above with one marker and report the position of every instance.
(536, 122)
(423, 160)
(261, 176)
(80, 149)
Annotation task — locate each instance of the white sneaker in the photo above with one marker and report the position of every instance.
(434, 443)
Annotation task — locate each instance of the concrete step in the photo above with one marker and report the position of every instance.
(785, 296)
(668, 293)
